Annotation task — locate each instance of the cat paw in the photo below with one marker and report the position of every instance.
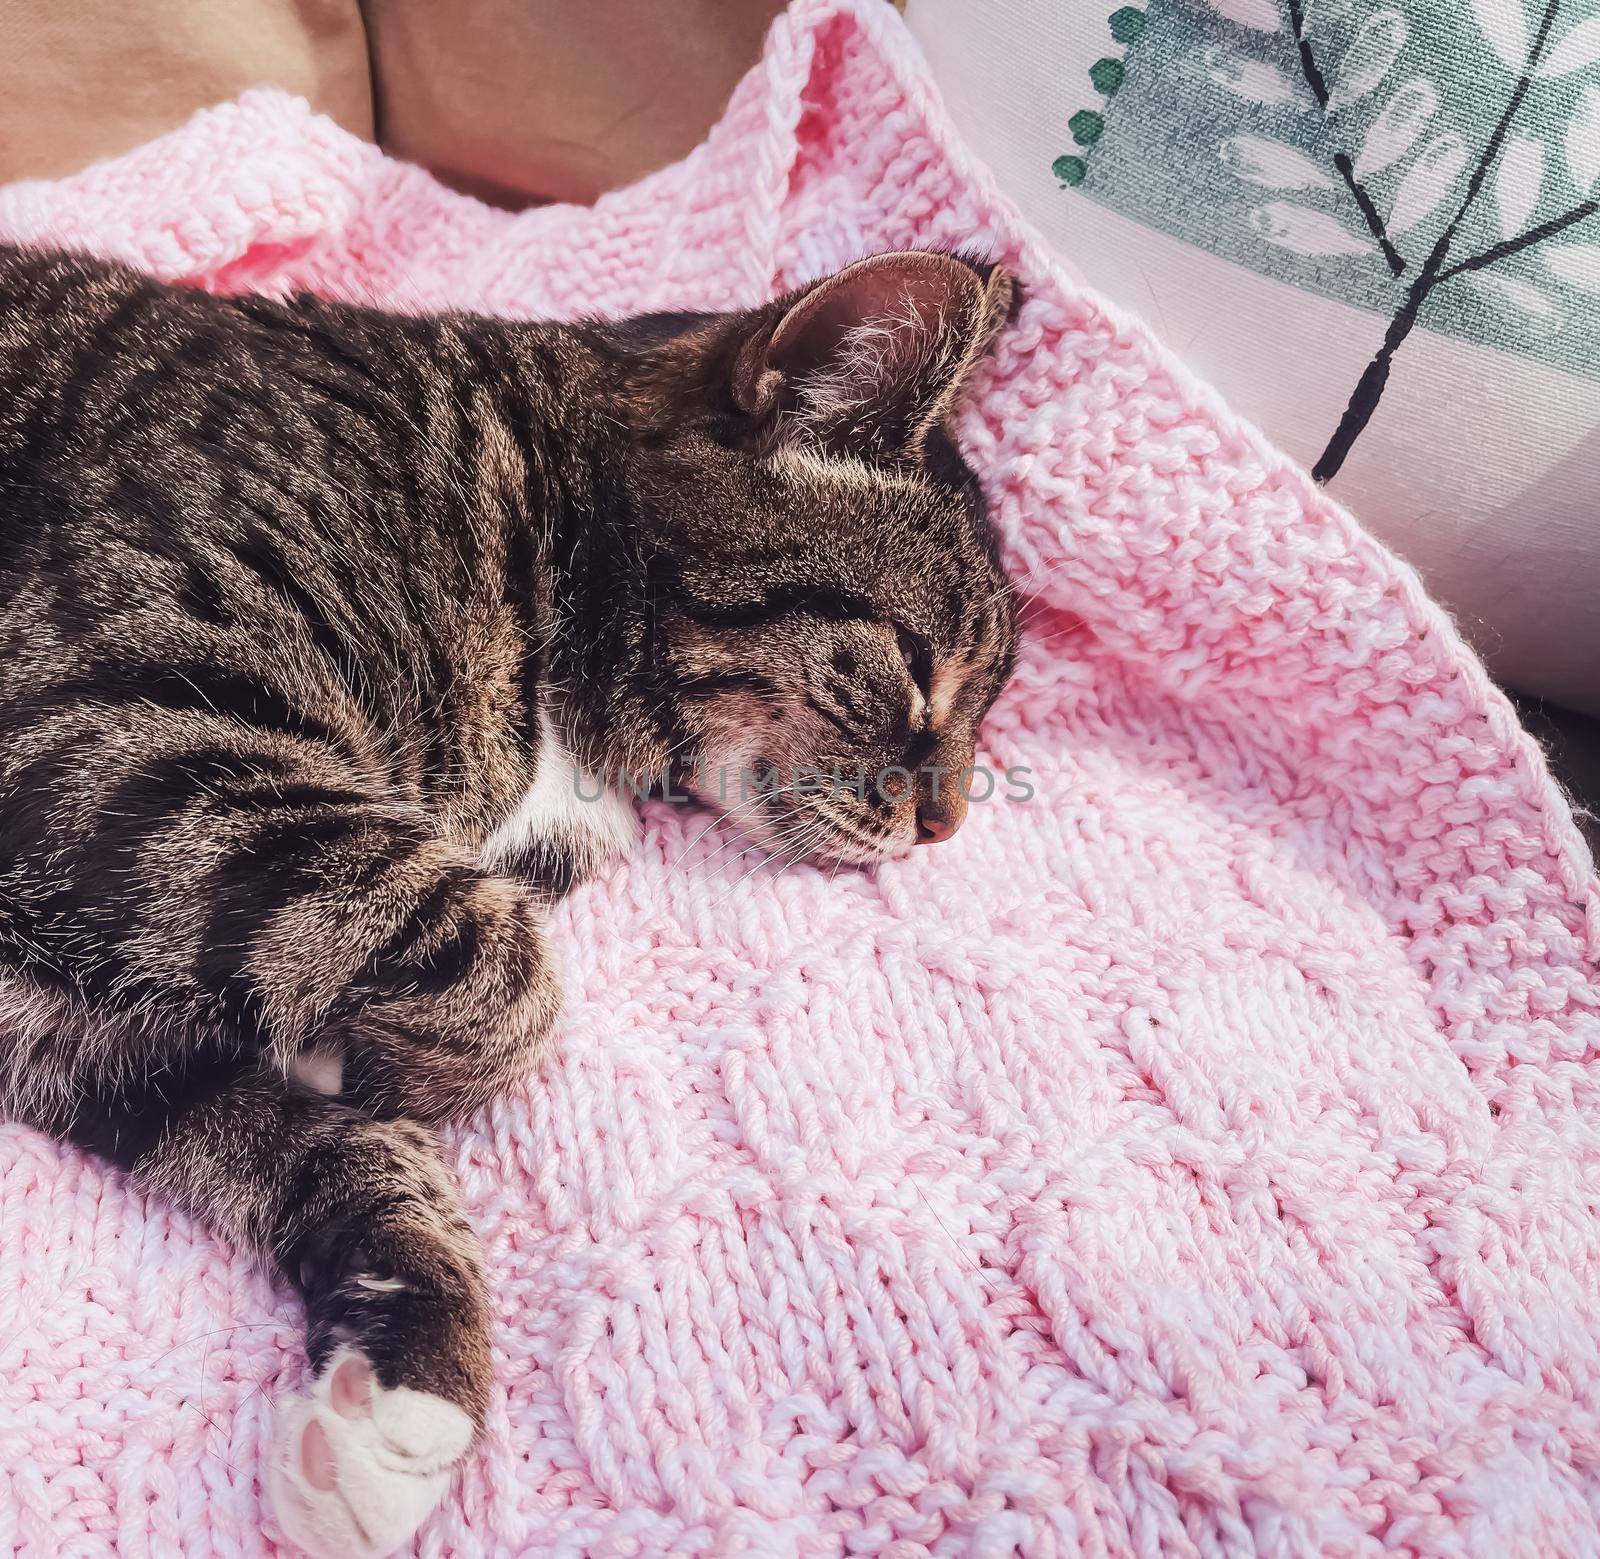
(358, 1467)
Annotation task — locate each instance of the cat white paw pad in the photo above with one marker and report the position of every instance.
(359, 1468)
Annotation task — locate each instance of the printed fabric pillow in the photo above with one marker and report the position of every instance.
(1374, 227)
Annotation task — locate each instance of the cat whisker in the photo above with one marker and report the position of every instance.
(1060, 633)
(728, 816)
(766, 854)
(782, 839)
(832, 822)
(809, 842)
(720, 818)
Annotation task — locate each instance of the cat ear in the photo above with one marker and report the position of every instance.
(869, 361)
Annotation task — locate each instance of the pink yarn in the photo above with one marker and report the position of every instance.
(1201, 1158)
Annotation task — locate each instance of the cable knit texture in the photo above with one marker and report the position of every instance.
(1200, 1158)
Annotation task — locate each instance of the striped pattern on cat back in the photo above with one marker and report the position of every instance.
(331, 642)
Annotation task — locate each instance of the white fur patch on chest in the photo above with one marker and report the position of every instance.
(565, 810)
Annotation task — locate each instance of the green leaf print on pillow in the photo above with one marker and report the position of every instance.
(1433, 161)
(1086, 126)
(1106, 75)
(1127, 24)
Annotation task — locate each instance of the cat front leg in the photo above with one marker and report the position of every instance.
(259, 890)
(448, 1010)
(360, 1216)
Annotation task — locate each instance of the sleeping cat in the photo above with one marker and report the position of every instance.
(325, 637)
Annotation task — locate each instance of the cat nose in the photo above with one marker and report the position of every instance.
(941, 798)
(936, 823)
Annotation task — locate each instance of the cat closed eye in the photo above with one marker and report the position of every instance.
(917, 653)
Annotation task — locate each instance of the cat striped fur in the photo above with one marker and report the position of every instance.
(326, 638)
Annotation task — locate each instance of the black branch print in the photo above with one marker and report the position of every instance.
(1516, 163)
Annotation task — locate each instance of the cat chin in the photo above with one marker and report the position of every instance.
(836, 846)
(848, 853)
(778, 827)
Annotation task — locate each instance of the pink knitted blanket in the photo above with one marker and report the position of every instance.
(1201, 1157)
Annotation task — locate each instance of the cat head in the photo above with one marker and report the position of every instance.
(828, 622)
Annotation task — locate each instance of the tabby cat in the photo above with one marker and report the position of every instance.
(325, 638)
